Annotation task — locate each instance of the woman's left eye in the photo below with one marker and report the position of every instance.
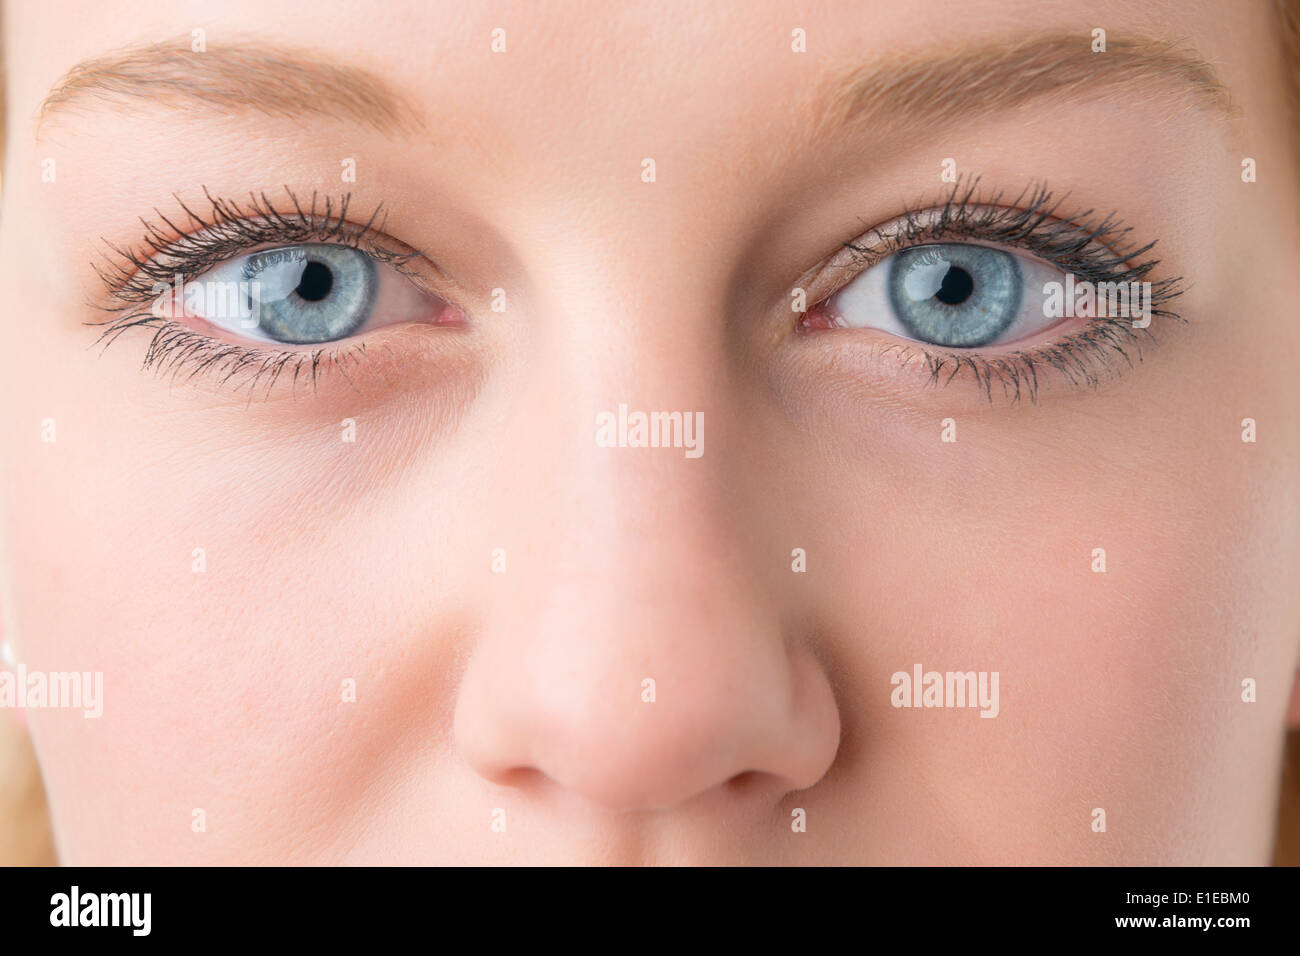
(306, 294)
(954, 294)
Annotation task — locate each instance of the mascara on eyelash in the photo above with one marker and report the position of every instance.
(228, 228)
(1098, 253)
(132, 278)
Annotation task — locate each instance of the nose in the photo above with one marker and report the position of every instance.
(635, 652)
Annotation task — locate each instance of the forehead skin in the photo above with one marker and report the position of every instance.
(522, 170)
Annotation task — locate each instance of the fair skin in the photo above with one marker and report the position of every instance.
(372, 560)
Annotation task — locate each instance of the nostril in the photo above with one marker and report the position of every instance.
(520, 778)
(745, 783)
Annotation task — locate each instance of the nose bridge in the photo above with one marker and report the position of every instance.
(623, 525)
(622, 404)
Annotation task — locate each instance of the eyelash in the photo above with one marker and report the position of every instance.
(226, 230)
(1094, 250)
(1100, 252)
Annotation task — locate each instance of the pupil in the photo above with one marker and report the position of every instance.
(316, 282)
(956, 287)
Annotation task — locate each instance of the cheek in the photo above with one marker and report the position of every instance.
(230, 672)
(1116, 687)
(233, 592)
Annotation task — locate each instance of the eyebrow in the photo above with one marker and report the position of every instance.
(942, 88)
(275, 81)
(917, 88)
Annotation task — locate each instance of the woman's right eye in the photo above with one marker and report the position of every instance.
(304, 294)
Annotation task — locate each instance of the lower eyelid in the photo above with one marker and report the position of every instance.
(364, 367)
(819, 319)
(1079, 354)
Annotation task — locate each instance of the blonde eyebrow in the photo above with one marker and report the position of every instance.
(943, 88)
(271, 80)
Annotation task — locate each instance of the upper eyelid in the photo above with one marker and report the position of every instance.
(128, 273)
(858, 255)
(1028, 219)
(1099, 248)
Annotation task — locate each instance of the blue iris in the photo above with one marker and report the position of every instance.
(955, 294)
(311, 293)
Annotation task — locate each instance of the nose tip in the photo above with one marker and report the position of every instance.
(626, 745)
